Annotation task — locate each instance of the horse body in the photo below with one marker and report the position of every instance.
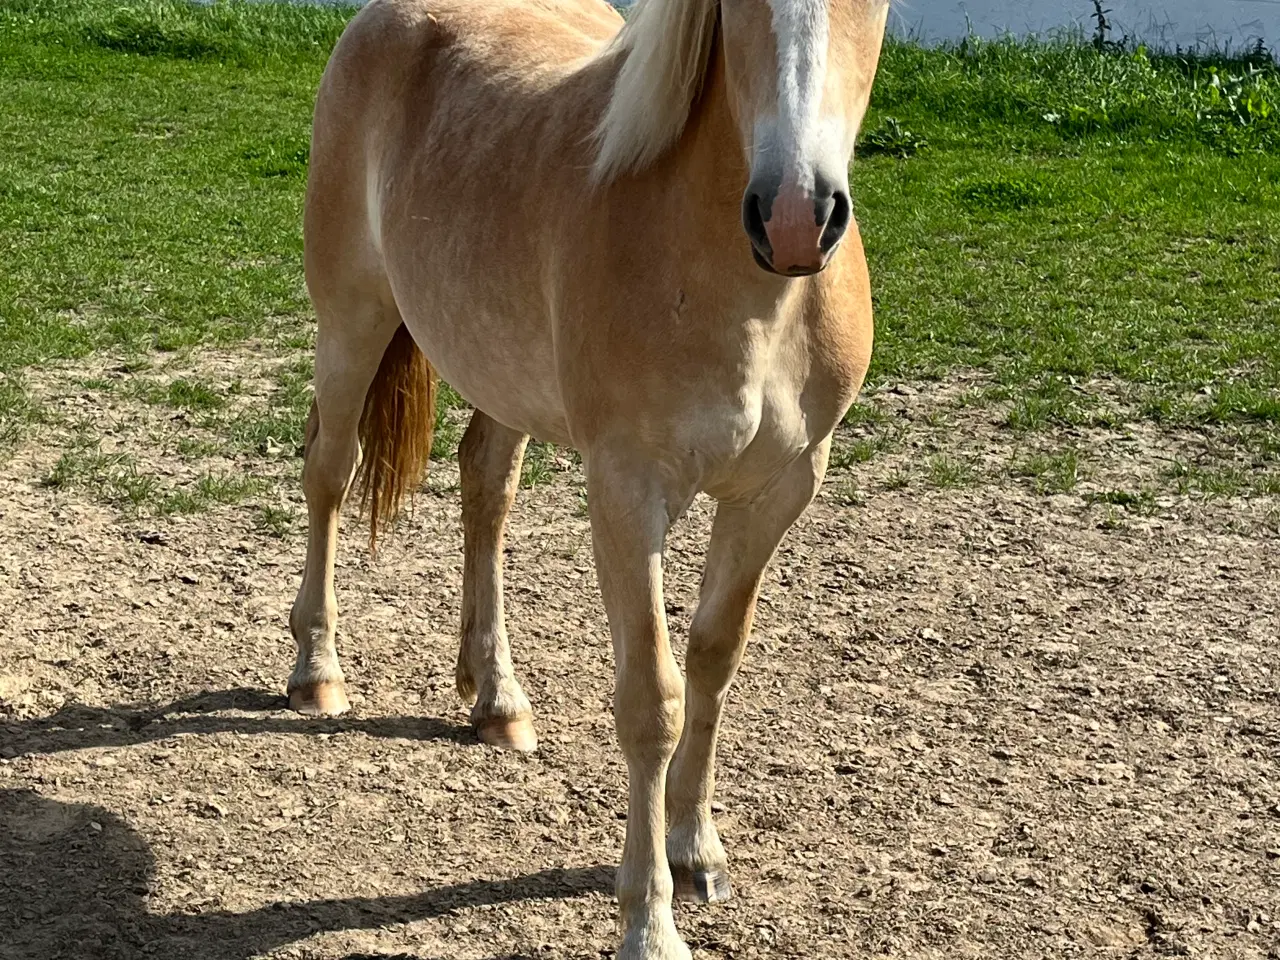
(479, 198)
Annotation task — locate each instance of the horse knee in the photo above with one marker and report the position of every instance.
(649, 722)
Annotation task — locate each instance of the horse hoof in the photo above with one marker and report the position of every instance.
(328, 698)
(701, 886)
(516, 734)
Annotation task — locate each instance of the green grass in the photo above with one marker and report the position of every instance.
(144, 197)
(181, 393)
(1079, 214)
(845, 454)
(1052, 472)
(1141, 501)
(947, 472)
(16, 409)
(1051, 213)
(115, 478)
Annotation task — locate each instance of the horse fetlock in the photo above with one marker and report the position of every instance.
(502, 716)
(500, 698)
(653, 936)
(699, 867)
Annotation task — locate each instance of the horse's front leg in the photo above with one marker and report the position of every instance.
(629, 523)
(743, 539)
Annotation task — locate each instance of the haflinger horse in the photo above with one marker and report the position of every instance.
(635, 238)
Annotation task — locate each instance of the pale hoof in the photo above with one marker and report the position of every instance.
(327, 698)
(505, 734)
(700, 886)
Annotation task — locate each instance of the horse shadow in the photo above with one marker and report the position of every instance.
(74, 879)
(253, 711)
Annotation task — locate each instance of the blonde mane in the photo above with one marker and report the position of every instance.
(665, 47)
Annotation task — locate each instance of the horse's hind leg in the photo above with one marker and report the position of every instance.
(743, 539)
(350, 342)
(489, 459)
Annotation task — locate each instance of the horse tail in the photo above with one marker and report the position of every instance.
(395, 430)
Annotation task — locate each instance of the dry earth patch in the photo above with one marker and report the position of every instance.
(976, 719)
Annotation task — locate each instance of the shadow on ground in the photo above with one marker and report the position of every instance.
(74, 880)
(75, 726)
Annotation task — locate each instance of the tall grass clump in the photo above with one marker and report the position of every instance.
(1068, 89)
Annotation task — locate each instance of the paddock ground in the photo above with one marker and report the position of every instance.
(976, 720)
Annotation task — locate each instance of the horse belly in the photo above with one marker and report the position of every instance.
(500, 363)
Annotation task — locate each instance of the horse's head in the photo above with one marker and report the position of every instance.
(799, 75)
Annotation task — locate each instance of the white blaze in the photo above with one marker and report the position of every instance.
(800, 29)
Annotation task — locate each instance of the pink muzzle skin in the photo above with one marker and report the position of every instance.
(795, 236)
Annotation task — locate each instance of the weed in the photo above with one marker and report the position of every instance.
(192, 395)
(892, 139)
(539, 464)
(16, 409)
(1141, 502)
(947, 473)
(287, 158)
(1113, 519)
(847, 493)
(278, 521)
(846, 454)
(1209, 481)
(451, 418)
(1266, 484)
(864, 414)
(898, 480)
(195, 448)
(1052, 472)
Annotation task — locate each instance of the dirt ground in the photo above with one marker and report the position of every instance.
(973, 722)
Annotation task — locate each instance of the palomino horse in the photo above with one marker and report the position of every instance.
(632, 238)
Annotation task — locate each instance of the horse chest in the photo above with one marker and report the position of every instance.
(782, 400)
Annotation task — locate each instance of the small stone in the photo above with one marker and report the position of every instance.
(95, 826)
(945, 799)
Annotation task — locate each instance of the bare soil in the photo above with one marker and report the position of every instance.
(973, 722)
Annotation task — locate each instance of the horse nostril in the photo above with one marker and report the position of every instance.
(838, 210)
(753, 222)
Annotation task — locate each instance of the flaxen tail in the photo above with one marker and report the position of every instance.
(395, 430)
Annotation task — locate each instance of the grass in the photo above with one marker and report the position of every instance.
(1141, 501)
(948, 473)
(115, 478)
(1055, 214)
(1052, 472)
(845, 454)
(1222, 481)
